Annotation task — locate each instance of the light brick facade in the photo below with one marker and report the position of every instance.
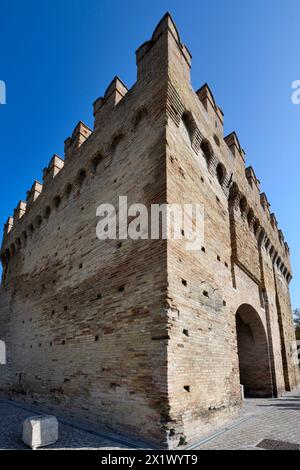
(143, 336)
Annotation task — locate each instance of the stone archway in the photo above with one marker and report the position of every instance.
(253, 353)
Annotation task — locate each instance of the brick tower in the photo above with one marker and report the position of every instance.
(142, 336)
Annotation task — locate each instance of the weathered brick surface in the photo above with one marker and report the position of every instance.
(107, 331)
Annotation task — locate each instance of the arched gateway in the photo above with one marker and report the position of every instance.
(253, 353)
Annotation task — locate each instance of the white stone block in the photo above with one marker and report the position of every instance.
(242, 391)
(39, 431)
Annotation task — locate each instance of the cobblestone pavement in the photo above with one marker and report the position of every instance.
(275, 419)
(70, 436)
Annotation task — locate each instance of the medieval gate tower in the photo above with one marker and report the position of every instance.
(143, 336)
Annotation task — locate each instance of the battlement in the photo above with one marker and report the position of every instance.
(234, 145)
(20, 210)
(207, 99)
(165, 25)
(274, 221)
(250, 175)
(114, 93)
(54, 167)
(264, 202)
(153, 55)
(34, 193)
(8, 225)
(80, 134)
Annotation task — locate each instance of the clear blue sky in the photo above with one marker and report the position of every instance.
(58, 56)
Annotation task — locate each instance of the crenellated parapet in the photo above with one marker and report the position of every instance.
(249, 201)
(250, 175)
(274, 221)
(34, 193)
(224, 156)
(20, 210)
(103, 106)
(154, 56)
(54, 167)
(234, 145)
(8, 225)
(263, 225)
(207, 99)
(252, 204)
(264, 202)
(63, 176)
(80, 134)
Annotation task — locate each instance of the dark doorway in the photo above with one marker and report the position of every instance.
(253, 353)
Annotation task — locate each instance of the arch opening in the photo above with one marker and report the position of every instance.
(221, 173)
(243, 205)
(253, 353)
(207, 151)
(188, 127)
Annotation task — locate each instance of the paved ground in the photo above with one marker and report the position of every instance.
(70, 436)
(276, 419)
